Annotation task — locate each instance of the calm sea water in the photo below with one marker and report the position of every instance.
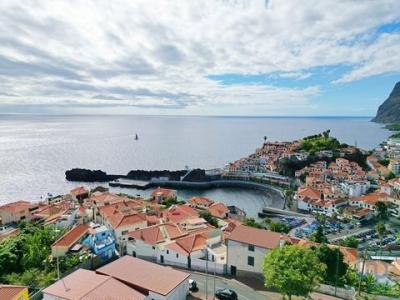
(36, 150)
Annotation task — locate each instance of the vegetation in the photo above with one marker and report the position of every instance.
(319, 142)
(319, 236)
(380, 229)
(171, 201)
(333, 259)
(349, 241)
(394, 127)
(370, 285)
(384, 162)
(209, 218)
(25, 258)
(382, 210)
(389, 176)
(293, 270)
(278, 227)
(253, 223)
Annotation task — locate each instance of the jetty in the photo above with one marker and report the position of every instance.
(268, 211)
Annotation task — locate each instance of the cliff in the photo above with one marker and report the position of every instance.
(389, 111)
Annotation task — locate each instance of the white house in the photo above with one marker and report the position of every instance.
(247, 247)
(355, 188)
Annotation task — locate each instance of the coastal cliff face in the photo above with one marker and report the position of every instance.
(389, 111)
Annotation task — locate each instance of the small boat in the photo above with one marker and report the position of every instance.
(136, 137)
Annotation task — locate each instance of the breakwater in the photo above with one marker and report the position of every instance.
(85, 175)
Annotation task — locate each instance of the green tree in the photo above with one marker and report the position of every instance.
(382, 210)
(293, 270)
(319, 236)
(253, 223)
(333, 259)
(34, 278)
(349, 241)
(380, 229)
(209, 218)
(390, 176)
(278, 227)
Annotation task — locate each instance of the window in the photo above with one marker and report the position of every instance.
(177, 255)
(124, 232)
(167, 251)
(250, 260)
(251, 248)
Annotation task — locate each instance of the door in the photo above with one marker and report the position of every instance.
(162, 258)
(189, 262)
(233, 271)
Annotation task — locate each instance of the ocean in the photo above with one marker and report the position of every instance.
(36, 150)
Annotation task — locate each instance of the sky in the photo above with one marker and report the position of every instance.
(216, 57)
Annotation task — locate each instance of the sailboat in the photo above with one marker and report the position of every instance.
(136, 137)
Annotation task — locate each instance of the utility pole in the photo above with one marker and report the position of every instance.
(362, 270)
(206, 274)
(215, 268)
(337, 270)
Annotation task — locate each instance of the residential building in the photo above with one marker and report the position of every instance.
(101, 241)
(200, 202)
(79, 194)
(17, 211)
(87, 285)
(368, 201)
(219, 210)
(144, 242)
(152, 280)
(68, 240)
(247, 247)
(159, 195)
(13, 292)
(394, 166)
(122, 222)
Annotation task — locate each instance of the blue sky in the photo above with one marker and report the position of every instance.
(222, 57)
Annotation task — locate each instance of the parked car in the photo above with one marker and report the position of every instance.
(193, 285)
(226, 294)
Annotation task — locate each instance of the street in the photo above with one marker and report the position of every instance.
(244, 292)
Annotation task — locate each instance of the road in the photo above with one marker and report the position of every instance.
(244, 292)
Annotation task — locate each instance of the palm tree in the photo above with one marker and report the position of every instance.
(380, 229)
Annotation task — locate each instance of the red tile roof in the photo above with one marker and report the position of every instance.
(201, 201)
(372, 198)
(166, 193)
(78, 191)
(87, 285)
(144, 276)
(17, 206)
(72, 236)
(309, 193)
(179, 213)
(254, 236)
(219, 210)
(128, 218)
(8, 292)
(192, 243)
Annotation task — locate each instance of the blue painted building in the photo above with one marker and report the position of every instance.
(101, 242)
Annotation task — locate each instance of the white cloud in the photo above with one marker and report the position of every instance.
(158, 53)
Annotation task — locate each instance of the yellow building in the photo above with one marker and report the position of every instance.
(13, 292)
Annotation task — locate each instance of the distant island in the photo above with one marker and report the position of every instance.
(389, 111)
